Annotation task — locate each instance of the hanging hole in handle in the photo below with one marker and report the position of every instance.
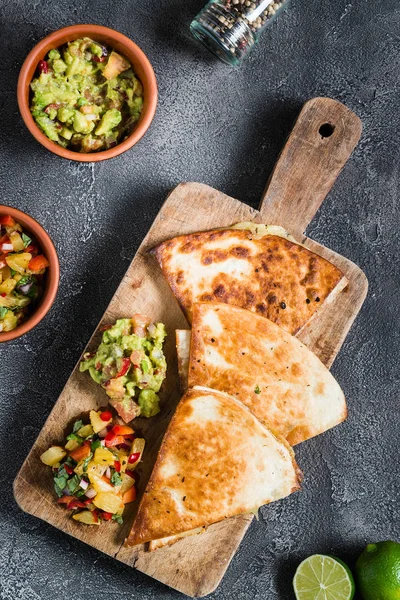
(326, 130)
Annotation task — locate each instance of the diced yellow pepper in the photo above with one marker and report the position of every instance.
(19, 262)
(17, 241)
(97, 423)
(85, 431)
(5, 273)
(100, 484)
(71, 445)
(109, 502)
(9, 321)
(123, 459)
(127, 483)
(8, 286)
(91, 468)
(87, 517)
(53, 455)
(138, 445)
(102, 456)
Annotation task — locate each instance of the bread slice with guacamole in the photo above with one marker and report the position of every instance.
(216, 461)
(257, 267)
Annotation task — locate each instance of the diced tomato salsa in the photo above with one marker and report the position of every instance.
(22, 267)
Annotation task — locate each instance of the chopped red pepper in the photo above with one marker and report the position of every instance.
(131, 474)
(134, 457)
(105, 415)
(68, 469)
(129, 438)
(3, 294)
(113, 440)
(129, 496)
(122, 430)
(76, 504)
(7, 220)
(99, 58)
(43, 66)
(117, 466)
(32, 249)
(81, 453)
(38, 263)
(106, 516)
(88, 501)
(126, 363)
(64, 500)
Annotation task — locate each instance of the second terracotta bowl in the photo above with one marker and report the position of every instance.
(31, 226)
(113, 39)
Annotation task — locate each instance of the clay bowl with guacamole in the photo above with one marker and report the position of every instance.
(87, 93)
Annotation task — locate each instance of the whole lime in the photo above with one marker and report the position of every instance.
(378, 571)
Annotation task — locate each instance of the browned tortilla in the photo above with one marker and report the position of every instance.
(278, 378)
(268, 274)
(216, 460)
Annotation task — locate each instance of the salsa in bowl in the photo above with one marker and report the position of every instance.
(29, 273)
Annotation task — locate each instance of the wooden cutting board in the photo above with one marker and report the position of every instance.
(321, 142)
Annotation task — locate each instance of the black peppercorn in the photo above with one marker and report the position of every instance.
(283, 305)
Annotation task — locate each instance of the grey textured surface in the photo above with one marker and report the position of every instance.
(223, 127)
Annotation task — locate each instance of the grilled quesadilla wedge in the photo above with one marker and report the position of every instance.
(252, 266)
(216, 460)
(278, 378)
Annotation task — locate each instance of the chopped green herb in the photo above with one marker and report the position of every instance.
(33, 292)
(118, 518)
(74, 436)
(26, 239)
(77, 426)
(86, 462)
(13, 272)
(62, 472)
(3, 312)
(95, 444)
(58, 490)
(257, 390)
(116, 479)
(60, 482)
(144, 366)
(73, 483)
(24, 279)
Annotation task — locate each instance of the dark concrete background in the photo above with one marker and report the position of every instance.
(223, 127)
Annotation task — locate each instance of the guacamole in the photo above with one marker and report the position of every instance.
(86, 97)
(130, 365)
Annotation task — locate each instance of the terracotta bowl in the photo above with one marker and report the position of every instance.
(113, 39)
(52, 272)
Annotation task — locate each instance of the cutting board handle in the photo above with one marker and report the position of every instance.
(324, 136)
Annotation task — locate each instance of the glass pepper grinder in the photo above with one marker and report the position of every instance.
(230, 28)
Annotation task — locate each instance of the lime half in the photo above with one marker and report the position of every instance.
(321, 577)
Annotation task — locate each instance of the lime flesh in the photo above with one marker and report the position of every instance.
(321, 577)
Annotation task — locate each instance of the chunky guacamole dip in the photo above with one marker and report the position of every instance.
(130, 365)
(86, 97)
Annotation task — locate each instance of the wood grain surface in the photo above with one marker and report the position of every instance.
(304, 173)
